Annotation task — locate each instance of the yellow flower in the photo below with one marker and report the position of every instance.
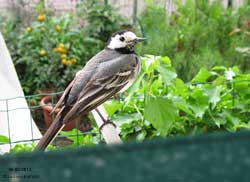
(61, 50)
(41, 18)
(69, 62)
(28, 29)
(42, 52)
(61, 45)
(63, 56)
(64, 61)
(58, 28)
(73, 61)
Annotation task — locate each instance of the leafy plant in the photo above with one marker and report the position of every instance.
(103, 19)
(19, 148)
(50, 50)
(77, 138)
(52, 63)
(199, 34)
(162, 104)
(80, 139)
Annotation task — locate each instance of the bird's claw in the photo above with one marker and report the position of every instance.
(107, 121)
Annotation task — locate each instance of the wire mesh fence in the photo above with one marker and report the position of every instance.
(37, 114)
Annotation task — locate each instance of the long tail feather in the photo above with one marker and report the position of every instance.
(50, 134)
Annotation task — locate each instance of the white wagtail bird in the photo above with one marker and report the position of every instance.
(110, 71)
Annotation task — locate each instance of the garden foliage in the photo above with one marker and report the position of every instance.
(51, 49)
(199, 34)
(162, 104)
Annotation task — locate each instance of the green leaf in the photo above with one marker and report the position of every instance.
(134, 88)
(199, 110)
(220, 80)
(235, 120)
(141, 136)
(181, 104)
(213, 94)
(220, 121)
(241, 83)
(127, 129)
(202, 75)
(166, 60)
(168, 73)
(162, 113)
(126, 118)
(149, 63)
(198, 102)
(157, 86)
(219, 68)
(81, 139)
(23, 148)
(4, 139)
(112, 106)
(181, 88)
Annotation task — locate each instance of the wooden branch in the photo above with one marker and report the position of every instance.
(108, 131)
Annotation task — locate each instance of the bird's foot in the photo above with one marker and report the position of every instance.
(107, 121)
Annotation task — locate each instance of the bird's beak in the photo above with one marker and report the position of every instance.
(140, 39)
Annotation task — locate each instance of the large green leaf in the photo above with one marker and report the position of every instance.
(168, 73)
(162, 113)
(202, 75)
(112, 106)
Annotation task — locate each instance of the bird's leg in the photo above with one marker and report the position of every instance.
(105, 121)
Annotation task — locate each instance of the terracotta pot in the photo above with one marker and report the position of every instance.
(44, 92)
(47, 107)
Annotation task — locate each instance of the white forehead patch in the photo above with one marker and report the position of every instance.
(129, 36)
(117, 43)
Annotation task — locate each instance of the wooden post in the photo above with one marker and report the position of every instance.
(135, 5)
(108, 131)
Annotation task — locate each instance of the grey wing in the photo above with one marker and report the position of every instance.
(85, 75)
(109, 78)
(71, 92)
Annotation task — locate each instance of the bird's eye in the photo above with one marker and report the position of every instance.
(122, 39)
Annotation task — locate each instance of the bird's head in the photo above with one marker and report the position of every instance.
(124, 41)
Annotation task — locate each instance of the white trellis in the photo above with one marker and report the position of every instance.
(15, 124)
